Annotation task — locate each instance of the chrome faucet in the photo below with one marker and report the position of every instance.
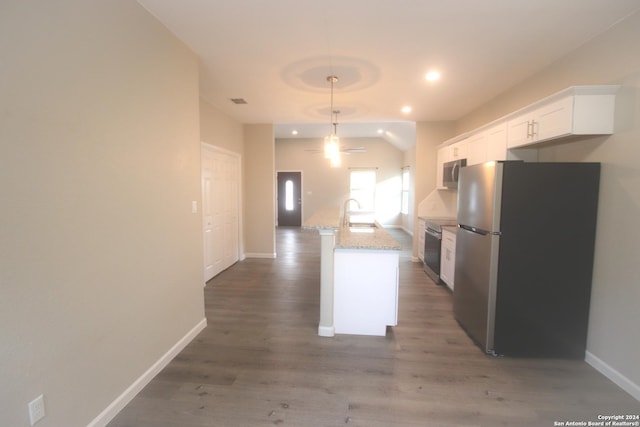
(345, 219)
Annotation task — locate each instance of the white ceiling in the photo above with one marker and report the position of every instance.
(277, 54)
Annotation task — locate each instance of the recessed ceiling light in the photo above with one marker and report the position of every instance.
(380, 131)
(406, 109)
(294, 132)
(432, 76)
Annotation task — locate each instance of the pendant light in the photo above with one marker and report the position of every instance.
(331, 141)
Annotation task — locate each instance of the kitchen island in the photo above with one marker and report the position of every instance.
(359, 275)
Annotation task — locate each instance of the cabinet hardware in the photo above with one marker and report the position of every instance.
(533, 129)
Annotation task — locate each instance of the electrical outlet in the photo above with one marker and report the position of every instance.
(36, 409)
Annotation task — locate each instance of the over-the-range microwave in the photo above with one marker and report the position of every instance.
(450, 172)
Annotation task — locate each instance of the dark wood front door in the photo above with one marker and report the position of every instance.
(290, 199)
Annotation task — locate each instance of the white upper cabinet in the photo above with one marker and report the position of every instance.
(581, 110)
(442, 157)
(578, 110)
(476, 148)
(550, 121)
(497, 142)
(446, 154)
(458, 150)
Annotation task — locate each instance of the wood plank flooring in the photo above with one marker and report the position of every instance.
(260, 362)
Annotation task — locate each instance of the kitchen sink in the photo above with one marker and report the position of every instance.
(362, 227)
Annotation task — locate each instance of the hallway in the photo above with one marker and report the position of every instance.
(260, 362)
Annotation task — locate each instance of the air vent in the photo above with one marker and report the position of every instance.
(238, 101)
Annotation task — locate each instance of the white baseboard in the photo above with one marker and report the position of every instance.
(326, 331)
(623, 382)
(260, 255)
(121, 401)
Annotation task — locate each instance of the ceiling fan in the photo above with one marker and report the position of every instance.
(346, 150)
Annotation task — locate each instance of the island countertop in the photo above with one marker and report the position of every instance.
(366, 238)
(373, 238)
(327, 218)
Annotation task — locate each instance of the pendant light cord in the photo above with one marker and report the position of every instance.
(332, 80)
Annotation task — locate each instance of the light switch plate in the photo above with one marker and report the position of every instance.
(36, 409)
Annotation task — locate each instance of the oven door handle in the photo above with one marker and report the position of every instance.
(433, 233)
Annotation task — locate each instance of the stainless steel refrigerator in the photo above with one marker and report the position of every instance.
(524, 256)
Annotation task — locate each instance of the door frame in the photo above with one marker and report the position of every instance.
(301, 193)
(204, 146)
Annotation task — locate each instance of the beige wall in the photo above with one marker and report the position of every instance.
(259, 191)
(100, 255)
(220, 130)
(326, 186)
(409, 159)
(612, 58)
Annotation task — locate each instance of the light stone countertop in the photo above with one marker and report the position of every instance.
(374, 238)
(326, 218)
(377, 239)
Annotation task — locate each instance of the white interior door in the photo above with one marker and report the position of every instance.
(220, 210)
(229, 210)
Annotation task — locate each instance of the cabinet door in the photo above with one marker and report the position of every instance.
(497, 142)
(458, 150)
(420, 232)
(519, 131)
(441, 158)
(451, 265)
(553, 120)
(448, 258)
(477, 149)
(365, 294)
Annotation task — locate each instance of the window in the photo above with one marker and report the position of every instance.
(404, 207)
(288, 195)
(363, 189)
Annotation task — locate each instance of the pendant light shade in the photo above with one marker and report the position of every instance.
(331, 141)
(331, 146)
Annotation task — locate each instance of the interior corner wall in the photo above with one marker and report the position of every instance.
(259, 191)
(100, 255)
(611, 58)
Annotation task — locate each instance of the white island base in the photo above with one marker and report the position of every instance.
(365, 298)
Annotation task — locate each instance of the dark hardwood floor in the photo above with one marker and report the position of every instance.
(260, 362)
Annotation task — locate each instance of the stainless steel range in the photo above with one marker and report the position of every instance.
(432, 244)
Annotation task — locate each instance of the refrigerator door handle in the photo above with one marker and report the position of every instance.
(475, 230)
(479, 230)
